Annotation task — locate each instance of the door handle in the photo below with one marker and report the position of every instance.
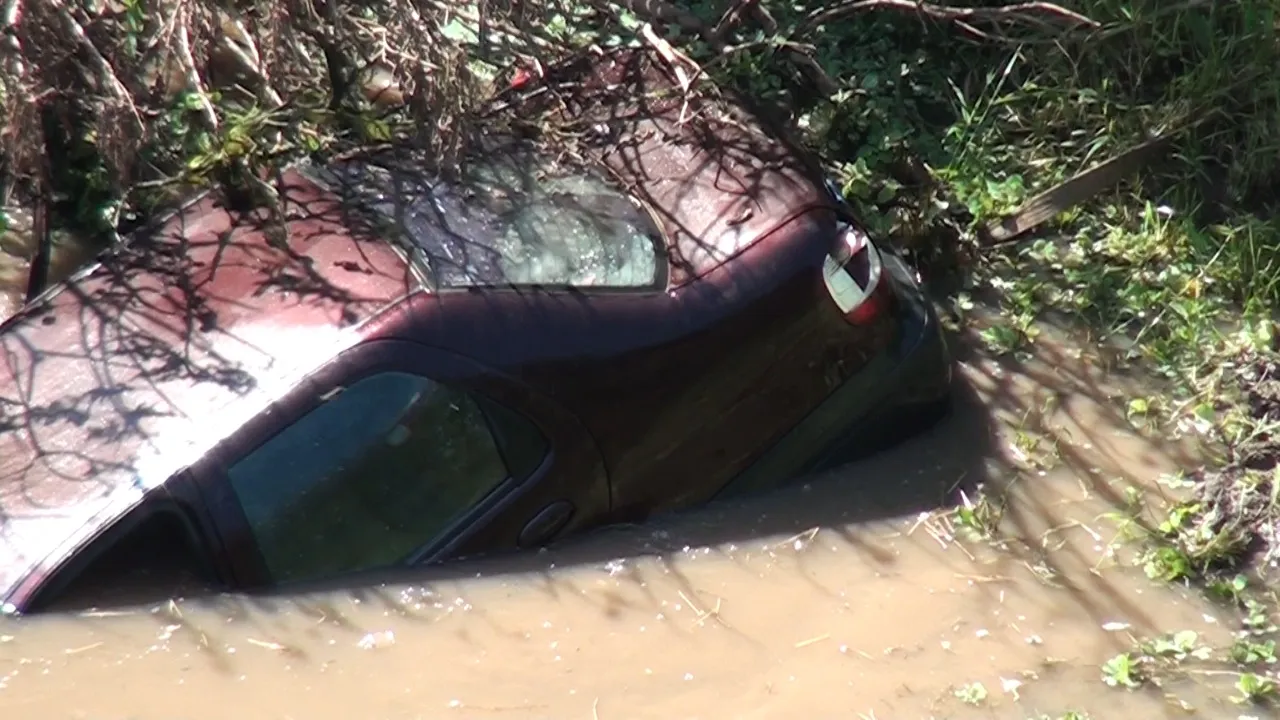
(544, 526)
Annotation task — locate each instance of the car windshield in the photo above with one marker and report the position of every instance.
(510, 219)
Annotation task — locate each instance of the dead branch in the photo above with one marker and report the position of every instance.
(678, 61)
(662, 11)
(12, 47)
(1039, 14)
(190, 72)
(106, 74)
(732, 17)
(237, 47)
(765, 18)
(321, 25)
(1068, 194)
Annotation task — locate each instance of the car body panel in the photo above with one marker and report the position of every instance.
(752, 338)
(906, 383)
(647, 371)
(118, 380)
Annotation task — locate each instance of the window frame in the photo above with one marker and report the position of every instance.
(365, 360)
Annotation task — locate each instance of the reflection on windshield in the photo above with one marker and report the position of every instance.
(512, 220)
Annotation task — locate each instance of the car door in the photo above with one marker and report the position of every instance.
(396, 454)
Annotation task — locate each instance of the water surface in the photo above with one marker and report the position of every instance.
(848, 595)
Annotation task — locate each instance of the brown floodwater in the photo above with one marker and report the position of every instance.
(17, 249)
(849, 595)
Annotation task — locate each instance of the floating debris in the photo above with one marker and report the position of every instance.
(373, 641)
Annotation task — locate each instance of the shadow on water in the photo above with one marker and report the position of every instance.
(858, 506)
(844, 556)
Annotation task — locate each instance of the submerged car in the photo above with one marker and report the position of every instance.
(399, 368)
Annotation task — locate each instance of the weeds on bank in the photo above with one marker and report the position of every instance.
(1207, 538)
(1249, 662)
(1188, 545)
(1177, 270)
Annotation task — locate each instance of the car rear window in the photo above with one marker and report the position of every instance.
(512, 218)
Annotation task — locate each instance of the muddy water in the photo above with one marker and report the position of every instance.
(17, 248)
(846, 596)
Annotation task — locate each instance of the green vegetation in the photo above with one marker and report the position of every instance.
(936, 120)
(1250, 661)
(974, 693)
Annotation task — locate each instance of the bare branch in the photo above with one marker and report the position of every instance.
(106, 74)
(194, 84)
(732, 17)
(1040, 14)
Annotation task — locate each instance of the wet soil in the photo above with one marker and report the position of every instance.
(1258, 381)
(1240, 492)
(853, 594)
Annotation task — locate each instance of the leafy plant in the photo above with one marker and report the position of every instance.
(1123, 670)
(1246, 651)
(1254, 688)
(974, 693)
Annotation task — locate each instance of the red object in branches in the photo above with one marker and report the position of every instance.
(520, 78)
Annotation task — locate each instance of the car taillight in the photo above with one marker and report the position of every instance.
(852, 275)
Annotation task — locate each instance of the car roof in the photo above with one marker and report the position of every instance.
(134, 369)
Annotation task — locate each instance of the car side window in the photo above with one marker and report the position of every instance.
(153, 552)
(365, 480)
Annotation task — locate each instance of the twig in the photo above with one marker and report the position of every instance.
(38, 273)
(105, 72)
(732, 17)
(1025, 13)
(799, 541)
(678, 62)
(10, 17)
(190, 74)
(701, 614)
(676, 59)
(83, 648)
(265, 644)
(813, 640)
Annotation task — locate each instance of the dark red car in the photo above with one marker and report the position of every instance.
(402, 370)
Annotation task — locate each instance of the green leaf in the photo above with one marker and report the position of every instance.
(376, 130)
(887, 194)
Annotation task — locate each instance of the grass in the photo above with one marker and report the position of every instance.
(932, 127)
